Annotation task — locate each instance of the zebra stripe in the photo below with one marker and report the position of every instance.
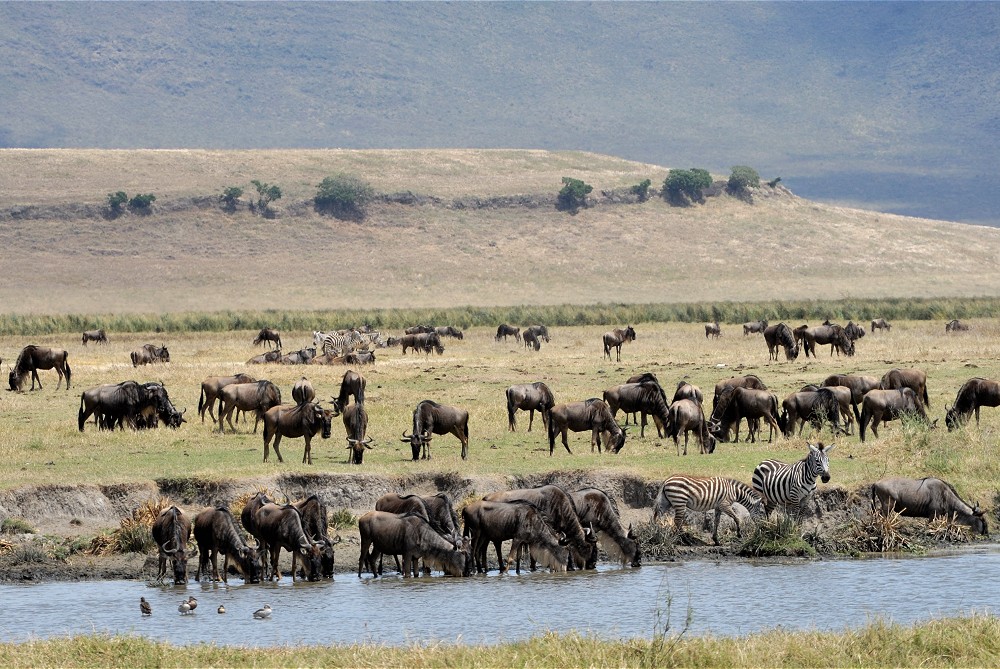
(791, 485)
(706, 493)
(335, 342)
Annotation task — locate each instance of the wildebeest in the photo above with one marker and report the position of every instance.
(449, 331)
(540, 331)
(247, 515)
(423, 341)
(644, 398)
(352, 384)
(927, 498)
(368, 357)
(780, 335)
(854, 331)
(816, 406)
(315, 523)
(531, 340)
(955, 326)
(910, 377)
(281, 527)
(646, 377)
(171, 531)
(215, 531)
(210, 388)
(149, 354)
(303, 391)
(687, 416)
(268, 335)
(593, 415)
(99, 336)
(754, 327)
(597, 510)
(687, 391)
(529, 397)
(356, 426)
(430, 418)
(300, 357)
(487, 522)
(257, 397)
(881, 324)
(974, 393)
(713, 330)
(833, 335)
(505, 331)
(858, 384)
(747, 381)
(614, 340)
(419, 329)
(127, 403)
(560, 513)
(33, 358)
(294, 421)
(737, 403)
(441, 513)
(882, 406)
(265, 358)
(845, 399)
(412, 537)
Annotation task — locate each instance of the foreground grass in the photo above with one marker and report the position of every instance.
(970, 641)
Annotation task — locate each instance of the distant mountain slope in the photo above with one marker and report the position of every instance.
(465, 228)
(889, 104)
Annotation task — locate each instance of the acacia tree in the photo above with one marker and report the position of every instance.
(573, 194)
(266, 194)
(742, 179)
(344, 196)
(230, 196)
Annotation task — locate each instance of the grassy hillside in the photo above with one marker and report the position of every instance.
(462, 241)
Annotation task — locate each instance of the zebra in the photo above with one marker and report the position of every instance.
(706, 493)
(792, 485)
(372, 337)
(336, 342)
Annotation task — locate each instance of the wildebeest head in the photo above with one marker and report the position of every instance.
(324, 418)
(357, 448)
(416, 440)
(978, 520)
(178, 557)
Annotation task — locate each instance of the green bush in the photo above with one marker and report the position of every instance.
(573, 194)
(683, 186)
(742, 179)
(141, 202)
(342, 519)
(117, 200)
(642, 189)
(344, 195)
(230, 196)
(16, 526)
(266, 194)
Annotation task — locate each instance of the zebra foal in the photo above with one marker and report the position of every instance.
(791, 485)
(706, 493)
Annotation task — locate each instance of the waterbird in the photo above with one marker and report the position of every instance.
(193, 603)
(222, 609)
(184, 608)
(261, 614)
(144, 607)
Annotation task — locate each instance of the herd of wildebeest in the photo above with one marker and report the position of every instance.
(559, 529)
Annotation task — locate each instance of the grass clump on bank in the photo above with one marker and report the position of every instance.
(773, 537)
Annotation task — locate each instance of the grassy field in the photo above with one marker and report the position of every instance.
(41, 444)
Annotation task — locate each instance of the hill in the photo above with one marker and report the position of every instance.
(450, 228)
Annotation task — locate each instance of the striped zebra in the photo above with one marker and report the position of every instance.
(373, 337)
(792, 485)
(706, 493)
(336, 343)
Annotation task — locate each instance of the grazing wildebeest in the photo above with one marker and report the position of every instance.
(747, 381)
(686, 416)
(833, 335)
(531, 340)
(681, 492)
(423, 341)
(294, 421)
(257, 397)
(644, 398)
(881, 324)
(597, 510)
(738, 403)
(910, 377)
(265, 358)
(99, 336)
(529, 397)
(352, 383)
(412, 537)
(614, 340)
(520, 521)
(815, 406)
(882, 406)
(955, 326)
(713, 330)
(430, 418)
(419, 329)
(927, 498)
(281, 527)
(268, 335)
(592, 415)
(974, 393)
(210, 388)
(315, 523)
(540, 331)
(845, 398)
(303, 391)
(33, 358)
(128, 403)
(449, 331)
(505, 331)
(559, 512)
(215, 531)
(859, 385)
(854, 331)
(780, 335)
(300, 357)
(687, 391)
(645, 377)
(356, 426)
(171, 531)
(754, 327)
(149, 354)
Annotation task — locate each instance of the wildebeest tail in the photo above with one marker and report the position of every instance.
(511, 420)
(69, 372)
(927, 400)
(79, 416)
(201, 404)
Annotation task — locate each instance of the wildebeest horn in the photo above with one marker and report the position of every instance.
(406, 437)
(336, 540)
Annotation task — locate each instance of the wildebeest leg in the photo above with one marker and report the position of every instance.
(275, 572)
(34, 377)
(531, 418)
(595, 439)
(277, 440)
(642, 428)
(498, 547)
(307, 457)
(565, 443)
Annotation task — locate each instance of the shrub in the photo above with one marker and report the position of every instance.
(774, 182)
(28, 553)
(230, 196)
(16, 526)
(266, 194)
(573, 194)
(117, 200)
(742, 179)
(344, 195)
(683, 186)
(141, 201)
(642, 189)
(775, 537)
(342, 519)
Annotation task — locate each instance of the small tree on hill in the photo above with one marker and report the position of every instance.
(141, 202)
(116, 201)
(685, 186)
(266, 194)
(742, 179)
(344, 196)
(573, 194)
(642, 189)
(230, 196)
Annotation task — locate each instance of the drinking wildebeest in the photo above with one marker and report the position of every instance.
(99, 336)
(215, 531)
(927, 498)
(713, 330)
(430, 418)
(597, 510)
(955, 326)
(754, 327)
(686, 416)
(315, 522)
(505, 331)
(737, 403)
(294, 421)
(149, 354)
(412, 537)
(356, 425)
(859, 385)
(171, 531)
(257, 397)
(210, 388)
(974, 393)
(592, 415)
(881, 324)
(519, 521)
(529, 397)
(303, 391)
(250, 508)
(614, 340)
(911, 377)
(268, 335)
(281, 527)
(780, 335)
(33, 358)
(882, 406)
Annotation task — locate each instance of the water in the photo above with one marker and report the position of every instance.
(725, 598)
